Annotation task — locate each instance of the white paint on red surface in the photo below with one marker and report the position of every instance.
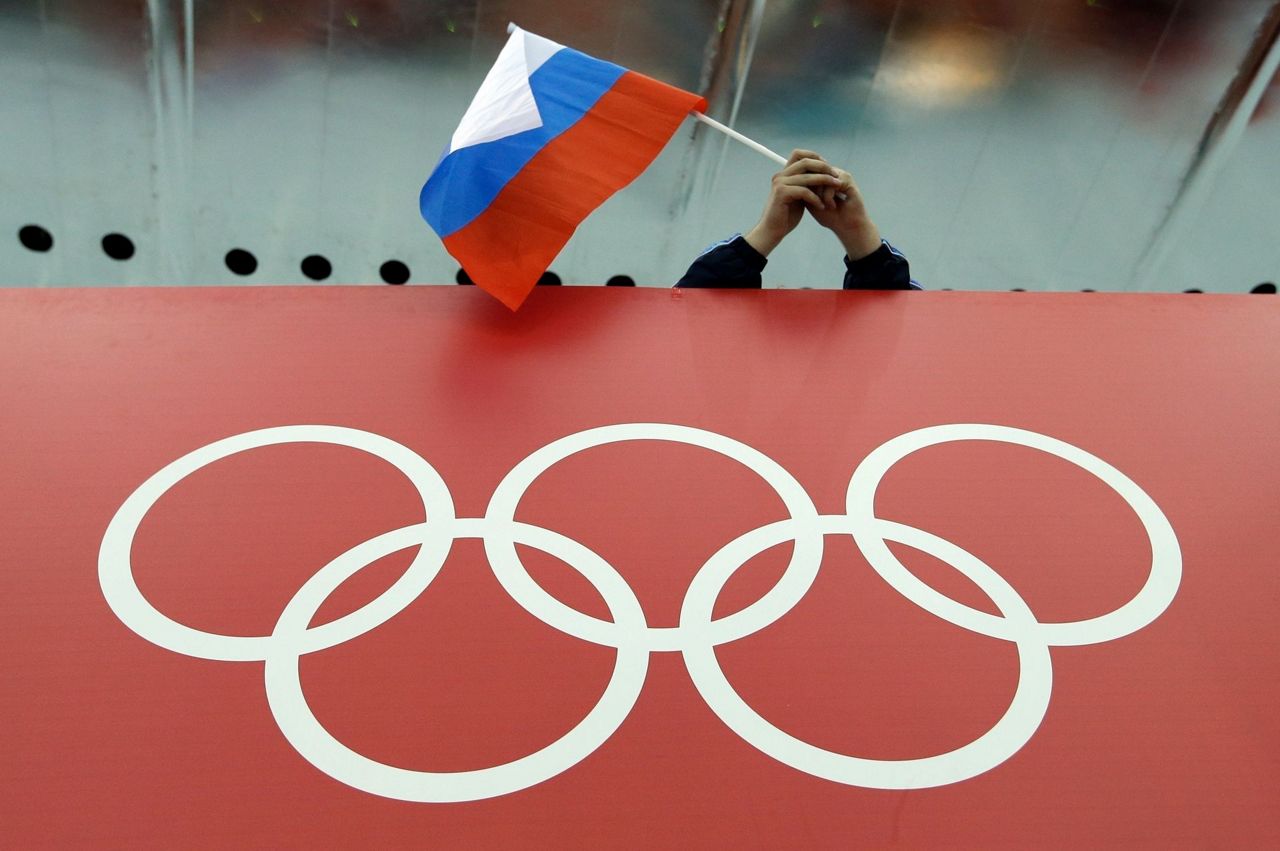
(698, 633)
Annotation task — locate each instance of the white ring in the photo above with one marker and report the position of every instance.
(309, 737)
(697, 634)
(795, 581)
(1154, 597)
(1010, 733)
(115, 569)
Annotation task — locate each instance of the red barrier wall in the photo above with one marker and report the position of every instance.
(1067, 454)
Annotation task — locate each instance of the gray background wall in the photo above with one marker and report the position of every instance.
(1110, 144)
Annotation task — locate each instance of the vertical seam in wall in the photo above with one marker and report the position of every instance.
(171, 140)
(709, 83)
(321, 225)
(61, 228)
(1219, 141)
(189, 67)
(753, 19)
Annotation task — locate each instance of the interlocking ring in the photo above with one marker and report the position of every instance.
(698, 632)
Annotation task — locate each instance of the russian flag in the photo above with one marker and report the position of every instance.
(550, 136)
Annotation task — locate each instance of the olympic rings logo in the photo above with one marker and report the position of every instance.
(698, 633)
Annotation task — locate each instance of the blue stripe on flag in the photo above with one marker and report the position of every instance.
(465, 182)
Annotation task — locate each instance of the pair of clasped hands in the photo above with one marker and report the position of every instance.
(808, 182)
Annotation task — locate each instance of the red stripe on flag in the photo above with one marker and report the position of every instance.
(507, 247)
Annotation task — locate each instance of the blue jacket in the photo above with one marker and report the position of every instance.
(734, 263)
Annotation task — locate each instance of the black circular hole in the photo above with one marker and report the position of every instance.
(549, 279)
(621, 281)
(35, 238)
(241, 262)
(1265, 288)
(1193, 290)
(1017, 290)
(316, 267)
(117, 246)
(1088, 290)
(463, 278)
(394, 272)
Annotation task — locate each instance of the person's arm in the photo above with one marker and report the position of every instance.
(886, 268)
(738, 262)
(871, 263)
(732, 263)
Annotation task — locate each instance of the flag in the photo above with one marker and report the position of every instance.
(550, 136)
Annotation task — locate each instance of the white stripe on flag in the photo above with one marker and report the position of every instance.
(504, 105)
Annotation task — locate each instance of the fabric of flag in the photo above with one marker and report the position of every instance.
(550, 136)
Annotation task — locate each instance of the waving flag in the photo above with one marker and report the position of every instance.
(550, 136)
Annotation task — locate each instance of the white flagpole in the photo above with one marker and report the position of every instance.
(736, 136)
(750, 143)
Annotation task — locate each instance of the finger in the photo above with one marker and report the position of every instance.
(802, 194)
(808, 179)
(801, 154)
(809, 165)
(829, 197)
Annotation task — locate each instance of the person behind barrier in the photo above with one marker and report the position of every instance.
(807, 182)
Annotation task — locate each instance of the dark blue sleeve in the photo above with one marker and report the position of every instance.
(735, 264)
(732, 263)
(886, 268)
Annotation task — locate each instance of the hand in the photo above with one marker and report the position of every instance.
(844, 214)
(801, 184)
